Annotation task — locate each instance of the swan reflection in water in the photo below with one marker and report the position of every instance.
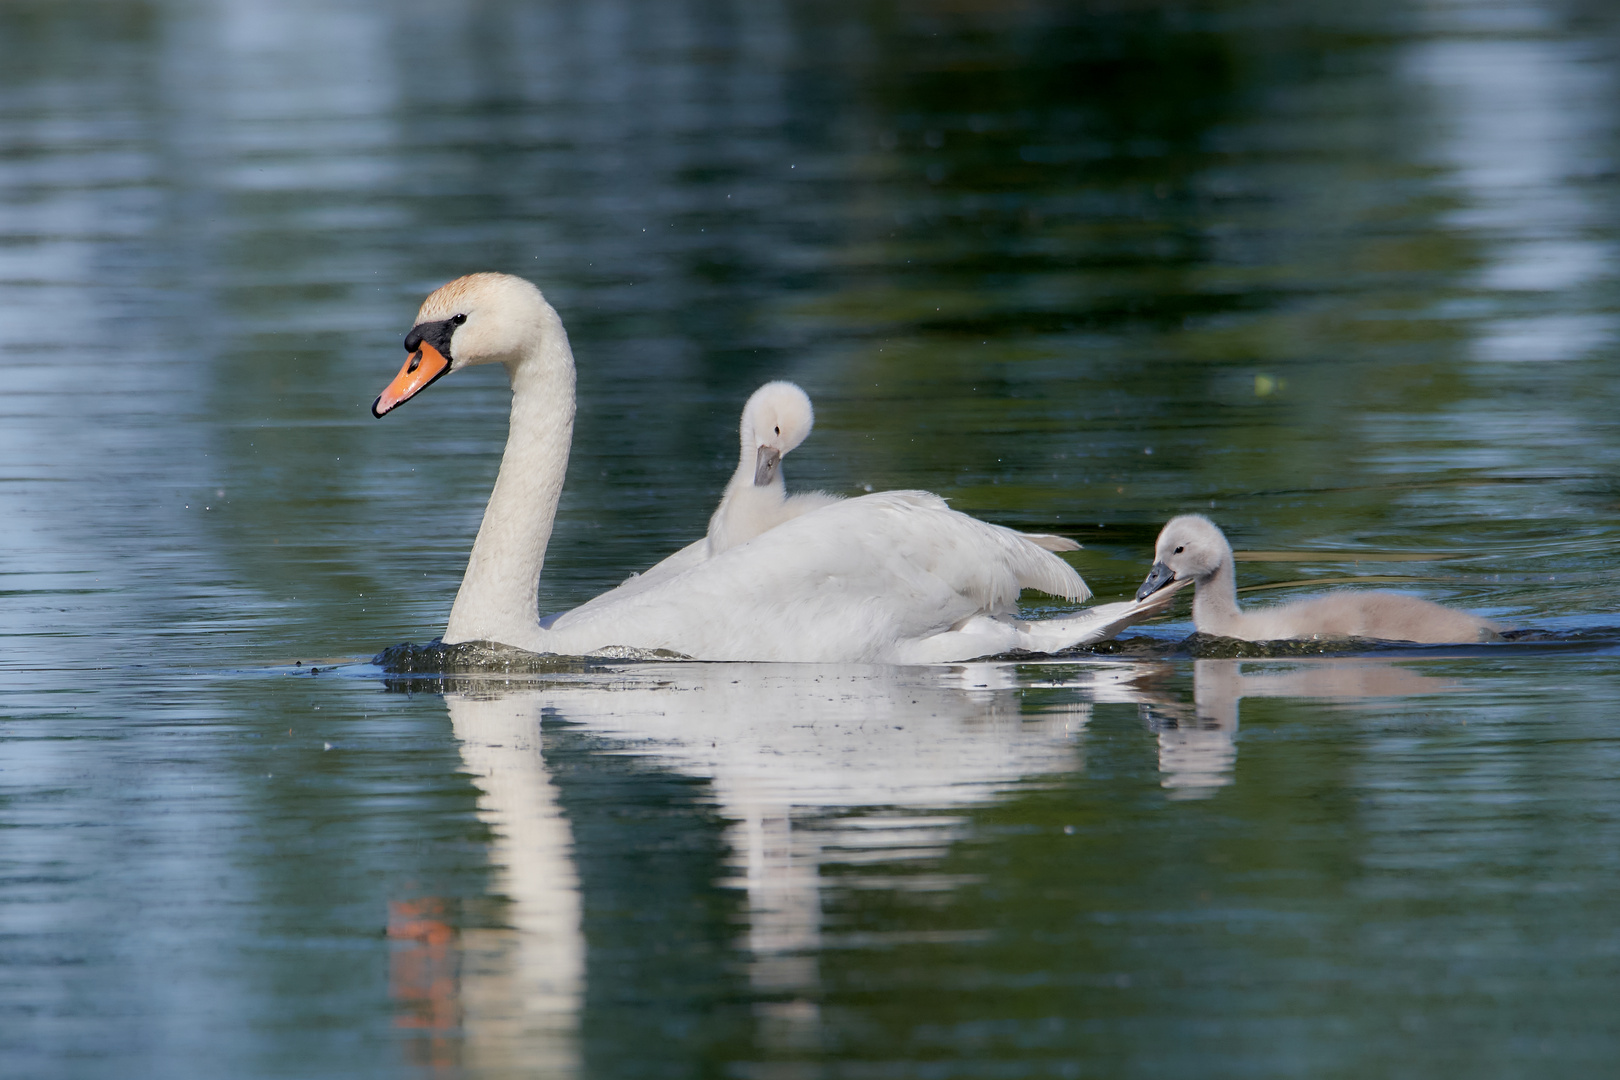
(813, 766)
(877, 757)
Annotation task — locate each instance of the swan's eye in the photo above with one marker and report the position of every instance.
(779, 431)
(1179, 550)
(458, 319)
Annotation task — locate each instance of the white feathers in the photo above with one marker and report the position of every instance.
(896, 577)
(776, 419)
(1192, 548)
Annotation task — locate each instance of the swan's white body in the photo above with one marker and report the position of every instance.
(776, 419)
(1192, 548)
(896, 577)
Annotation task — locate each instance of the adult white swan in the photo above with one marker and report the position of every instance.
(896, 577)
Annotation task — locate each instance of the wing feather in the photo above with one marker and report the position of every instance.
(847, 579)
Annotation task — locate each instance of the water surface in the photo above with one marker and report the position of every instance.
(1343, 280)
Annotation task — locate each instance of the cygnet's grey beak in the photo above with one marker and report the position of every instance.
(1158, 577)
(765, 469)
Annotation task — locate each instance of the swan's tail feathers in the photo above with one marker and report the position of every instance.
(1052, 542)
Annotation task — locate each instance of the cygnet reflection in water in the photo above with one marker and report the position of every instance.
(1198, 739)
(1192, 548)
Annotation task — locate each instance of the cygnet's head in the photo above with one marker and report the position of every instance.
(776, 419)
(477, 319)
(1190, 548)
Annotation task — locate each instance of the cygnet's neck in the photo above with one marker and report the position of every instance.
(498, 596)
(1215, 606)
(746, 509)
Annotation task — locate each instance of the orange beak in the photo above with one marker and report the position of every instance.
(421, 368)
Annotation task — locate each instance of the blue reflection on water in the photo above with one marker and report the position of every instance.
(1350, 276)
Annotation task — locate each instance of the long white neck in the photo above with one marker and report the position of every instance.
(498, 596)
(1215, 606)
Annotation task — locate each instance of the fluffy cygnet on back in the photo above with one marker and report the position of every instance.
(776, 419)
(1192, 547)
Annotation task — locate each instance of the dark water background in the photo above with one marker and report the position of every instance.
(1342, 276)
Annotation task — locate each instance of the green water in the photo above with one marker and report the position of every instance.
(1342, 277)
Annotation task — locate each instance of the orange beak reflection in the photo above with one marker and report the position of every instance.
(421, 368)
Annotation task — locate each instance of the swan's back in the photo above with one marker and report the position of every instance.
(849, 581)
(989, 564)
(748, 511)
(1382, 616)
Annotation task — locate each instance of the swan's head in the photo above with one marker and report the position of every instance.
(1190, 548)
(776, 419)
(477, 319)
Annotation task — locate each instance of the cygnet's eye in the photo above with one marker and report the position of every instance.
(458, 319)
(1179, 550)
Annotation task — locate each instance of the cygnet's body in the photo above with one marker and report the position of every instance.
(776, 419)
(1193, 548)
